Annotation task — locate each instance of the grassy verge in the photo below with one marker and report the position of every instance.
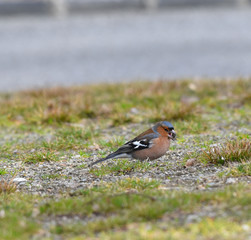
(70, 119)
(181, 101)
(54, 126)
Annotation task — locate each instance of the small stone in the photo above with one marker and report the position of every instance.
(95, 207)
(245, 227)
(191, 170)
(2, 213)
(190, 162)
(15, 151)
(189, 100)
(213, 185)
(192, 218)
(192, 86)
(19, 180)
(179, 173)
(35, 212)
(230, 181)
(134, 110)
(201, 187)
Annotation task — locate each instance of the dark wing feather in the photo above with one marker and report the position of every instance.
(136, 144)
(141, 142)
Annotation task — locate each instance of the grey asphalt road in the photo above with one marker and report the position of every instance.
(42, 52)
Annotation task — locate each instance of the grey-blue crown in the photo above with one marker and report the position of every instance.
(167, 124)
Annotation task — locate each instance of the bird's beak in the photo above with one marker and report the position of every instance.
(172, 135)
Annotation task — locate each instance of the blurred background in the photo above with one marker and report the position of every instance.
(46, 43)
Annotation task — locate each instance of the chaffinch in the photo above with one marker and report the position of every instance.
(151, 144)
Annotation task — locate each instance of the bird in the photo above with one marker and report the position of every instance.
(151, 144)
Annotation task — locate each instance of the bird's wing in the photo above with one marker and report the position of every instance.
(138, 143)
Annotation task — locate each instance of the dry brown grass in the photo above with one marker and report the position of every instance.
(7, 186)
(189, 105)
(232, 151)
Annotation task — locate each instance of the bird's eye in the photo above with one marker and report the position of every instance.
(168, 129)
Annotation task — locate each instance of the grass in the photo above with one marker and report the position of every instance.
(179, 100)
(55, 144)
(79, 122)
(16, 216)
(134, 207)
(7, 186)
(243, 169)
(54, 176)
(2, 171)
(235, 154)
(125, 203)
(191, 106)
(232, 151)
(207, 229)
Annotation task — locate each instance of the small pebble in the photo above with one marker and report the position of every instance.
(19, 180)
(213, 185)
(192, 218)
(190, 162)
(2, 213)
(230, 181)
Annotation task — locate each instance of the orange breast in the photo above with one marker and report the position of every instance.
(159, 148)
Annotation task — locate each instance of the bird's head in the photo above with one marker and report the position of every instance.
(169, 129)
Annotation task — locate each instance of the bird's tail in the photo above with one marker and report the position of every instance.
(103, 159)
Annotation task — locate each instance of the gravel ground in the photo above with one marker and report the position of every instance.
(71, 174)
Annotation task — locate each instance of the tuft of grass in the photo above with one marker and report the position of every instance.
(242, 170)
(7, 186)
(232, 151)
